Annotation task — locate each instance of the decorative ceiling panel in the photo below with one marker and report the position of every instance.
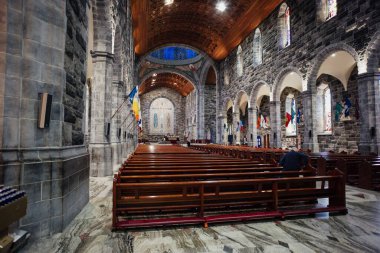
(168, 80)
(197, 23)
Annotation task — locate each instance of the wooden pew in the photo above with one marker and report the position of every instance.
(129, 199)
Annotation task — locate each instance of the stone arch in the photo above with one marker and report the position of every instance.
(170, 70)
(322, 56)
(255, 93)
(227, 103)
(372, 55)
(241, 95)
(288, 74)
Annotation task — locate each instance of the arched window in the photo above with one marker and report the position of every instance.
(284, 25)
(290, 116)
(239, 65)
(257, 48)
(327, 110)
(330, 8)
(226, 78)
(323, 112)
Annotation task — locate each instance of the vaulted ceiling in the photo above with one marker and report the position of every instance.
(197, 23)
(168, 80)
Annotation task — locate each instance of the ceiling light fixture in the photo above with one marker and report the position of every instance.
(154, 74)
(168, 2)
(333, 55)
(221, 6)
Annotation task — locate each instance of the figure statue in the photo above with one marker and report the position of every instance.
(338, 111)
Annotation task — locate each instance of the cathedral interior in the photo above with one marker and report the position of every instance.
(93, 91)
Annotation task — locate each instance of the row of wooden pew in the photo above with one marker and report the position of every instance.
(167, 185)
(359, 170)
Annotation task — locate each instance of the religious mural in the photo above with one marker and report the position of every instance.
(161, 119)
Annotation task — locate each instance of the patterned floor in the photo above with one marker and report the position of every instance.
(359, 231)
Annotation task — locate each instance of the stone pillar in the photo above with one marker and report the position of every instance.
(369, 110)
(200, 114)
(310, 131)
(55, 177)
(275, 117)
(101, 109)
(252, 120)
(236, 120)
(222, 132)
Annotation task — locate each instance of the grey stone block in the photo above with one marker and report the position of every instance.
(36, 172)
(10, 174)
(11, 129)
(15, 4)
(12, 86)
(29, 108)
(56, 207)
(33, 192)
(15, 22)
(13, 66)
(51, 189)
(14, 45)
(31, 69)
(11, 107)
(36, 212)
(27, 133)
(56, 225)
(45, 11)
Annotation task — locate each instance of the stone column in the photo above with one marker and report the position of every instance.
(236, 119)
(252, 120)
(101, 109)
(310, 131)
(222, 133)
(200, 114)
(275, 117)
(369, 110)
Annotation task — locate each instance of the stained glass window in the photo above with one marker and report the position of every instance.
(331, 9)
(239, 65)
(174, 53)
(284, 25)
(257, 48)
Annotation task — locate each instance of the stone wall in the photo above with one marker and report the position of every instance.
(210, 110)
(345, 135)
(75, 67)
(179, 103)
(312, 40)
(191, 116)
(32, 61)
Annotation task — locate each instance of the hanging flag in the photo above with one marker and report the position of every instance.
(133, 93)
(288, 118)
(241, 126)
(258, 122)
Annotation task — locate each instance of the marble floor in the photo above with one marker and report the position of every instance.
(359, 231)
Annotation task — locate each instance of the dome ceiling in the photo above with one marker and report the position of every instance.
(197, 23)
(168, 80)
